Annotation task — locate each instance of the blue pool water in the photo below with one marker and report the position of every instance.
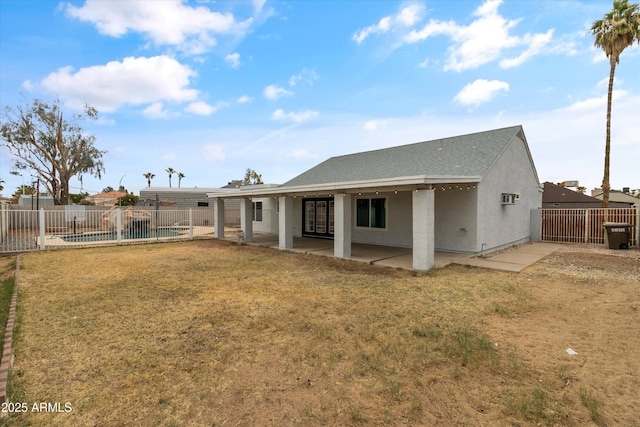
(112, 235)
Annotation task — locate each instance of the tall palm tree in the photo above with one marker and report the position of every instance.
(170, 171)
(149, 177)
(616, 31)
(180, 176)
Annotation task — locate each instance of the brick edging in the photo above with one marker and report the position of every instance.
(7, 351)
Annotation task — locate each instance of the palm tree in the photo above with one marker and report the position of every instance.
(616, 31)
(170, 171)
(1, 184)
(180, 176)
(149, 177)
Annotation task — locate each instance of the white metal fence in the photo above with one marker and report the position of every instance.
(587, 225)
(26, 230)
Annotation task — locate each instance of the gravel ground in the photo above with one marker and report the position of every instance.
(633, 252)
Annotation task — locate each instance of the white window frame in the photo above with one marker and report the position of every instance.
(254, 211)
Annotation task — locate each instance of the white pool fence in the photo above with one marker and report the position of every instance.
(27, 230)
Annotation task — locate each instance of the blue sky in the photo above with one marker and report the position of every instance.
(212, 88)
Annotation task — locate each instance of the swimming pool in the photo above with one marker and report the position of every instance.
(101, 236)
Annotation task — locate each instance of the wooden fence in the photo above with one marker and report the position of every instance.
(586, 225)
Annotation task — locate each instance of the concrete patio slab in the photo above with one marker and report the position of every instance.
(513, 259)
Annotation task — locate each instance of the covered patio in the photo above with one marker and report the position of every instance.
(405, 214)
(513, 259)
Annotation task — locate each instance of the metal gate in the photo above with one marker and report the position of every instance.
(586, 225)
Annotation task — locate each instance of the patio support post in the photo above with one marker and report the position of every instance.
(218, 218)
(342, 218)
(246, 219)
(423, 229)
(285, 223)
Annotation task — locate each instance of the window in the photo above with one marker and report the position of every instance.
(257, 211)
(201, 204)
(310, 215)
(321, 217)
(371, 213)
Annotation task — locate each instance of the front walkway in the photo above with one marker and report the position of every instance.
(513, 259)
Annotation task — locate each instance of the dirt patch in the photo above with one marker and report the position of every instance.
(208, 332)
(586, 299)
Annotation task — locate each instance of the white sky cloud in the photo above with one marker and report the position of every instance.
(373, 125)
(244, 99)
(537, 43)
(299, 117)
(480, 91)
(156, 111)
(406, 17)
(598, 103)
(604, 83)
(132, 81)
(28, 85)
(190, 29)
(201, 108)
(306, 76)
(233, 59)
(301, 153)
(213, 152)
(274, 92)
(483, 40)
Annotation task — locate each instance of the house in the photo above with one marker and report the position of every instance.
(471, 193)
(559, 197)
(615, 196)
(32, 201)
(199, 197)
(180, 197)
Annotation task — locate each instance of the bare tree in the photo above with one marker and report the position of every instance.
(45, 143)
(252, 177)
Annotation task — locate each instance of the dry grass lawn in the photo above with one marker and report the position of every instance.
(210, 333)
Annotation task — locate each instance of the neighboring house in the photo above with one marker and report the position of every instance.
(29, 201)
(182, 197)
(559, 197)
(618, 197)
(109, 198)
(472, 193)
(198, 197)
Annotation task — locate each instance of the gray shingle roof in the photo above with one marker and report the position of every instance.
(460, 156)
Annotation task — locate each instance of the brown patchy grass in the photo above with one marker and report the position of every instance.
(209, 333)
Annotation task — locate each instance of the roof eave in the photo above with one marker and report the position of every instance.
(353, 186)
